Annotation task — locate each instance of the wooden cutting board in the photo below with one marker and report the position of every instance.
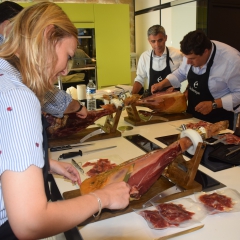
(73, 139)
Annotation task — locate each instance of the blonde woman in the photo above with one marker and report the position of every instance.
(35, 53)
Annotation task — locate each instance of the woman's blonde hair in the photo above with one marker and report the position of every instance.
(34, 34)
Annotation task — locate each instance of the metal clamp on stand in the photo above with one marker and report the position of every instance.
(96, 132)
(109, 129)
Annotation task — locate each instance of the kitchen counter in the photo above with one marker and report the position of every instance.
(131, 226)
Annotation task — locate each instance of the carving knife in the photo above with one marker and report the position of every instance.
(237, 148)
(65, 147)
(165, 193)
(80, 153)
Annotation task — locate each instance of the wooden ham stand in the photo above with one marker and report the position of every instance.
(109, 130)
(180, 172)
(137, 119)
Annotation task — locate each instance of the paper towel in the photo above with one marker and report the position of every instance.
(73, 92)
(81, 91)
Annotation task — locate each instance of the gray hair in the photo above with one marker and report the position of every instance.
(155, 30)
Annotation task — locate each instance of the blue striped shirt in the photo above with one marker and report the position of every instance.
(20, 126)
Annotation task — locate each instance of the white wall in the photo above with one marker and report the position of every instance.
(142, 23)
(141, 4)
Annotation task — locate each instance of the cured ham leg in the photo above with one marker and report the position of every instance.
(161, 102)
(141, 172)
(70, 124)
(208, 129)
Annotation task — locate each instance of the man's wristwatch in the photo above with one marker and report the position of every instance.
(80, 108)
(214, 105)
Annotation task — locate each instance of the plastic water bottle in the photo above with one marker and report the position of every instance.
(91, 90)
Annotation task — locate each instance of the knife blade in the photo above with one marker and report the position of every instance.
(66, 147)
(164, 193)
(76, 165)
(80, 153)
(233, 151)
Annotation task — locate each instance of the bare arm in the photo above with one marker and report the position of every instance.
(136, 87)
(159, 86)
(25, 199)
(205, 107)
(74, 106)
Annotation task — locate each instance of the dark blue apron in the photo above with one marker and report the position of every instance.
(158, 76)
(198, 91)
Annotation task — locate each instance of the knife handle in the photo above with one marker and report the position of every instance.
(70, 155)
(60, 148)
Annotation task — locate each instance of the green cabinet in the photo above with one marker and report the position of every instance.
(112, 32)
(112, 38)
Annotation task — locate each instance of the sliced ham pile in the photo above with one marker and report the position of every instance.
(100, 166)
(154, 219)
(166, 215)
(216, 201)
(174, 213)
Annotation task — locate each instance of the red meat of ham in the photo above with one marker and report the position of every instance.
(211, 129)
(71, 124)
(143, 171)
(216, 201)
(156, 220)
(161, 102)
(100, 166)
(229, 138)
(174, 213)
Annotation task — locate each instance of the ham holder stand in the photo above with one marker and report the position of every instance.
(108, 130)
(179, 173)
(139, 118)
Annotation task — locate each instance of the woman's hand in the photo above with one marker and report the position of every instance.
(65, 169)
(115, 195)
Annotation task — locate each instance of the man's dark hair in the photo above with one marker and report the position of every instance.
(195, 42)
(9, 10)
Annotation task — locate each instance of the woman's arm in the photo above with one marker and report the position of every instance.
(32, 217)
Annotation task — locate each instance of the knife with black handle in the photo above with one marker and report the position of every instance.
(80, 153)
(66, 147)
(70, 155)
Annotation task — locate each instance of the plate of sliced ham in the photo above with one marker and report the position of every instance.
(98, 165)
